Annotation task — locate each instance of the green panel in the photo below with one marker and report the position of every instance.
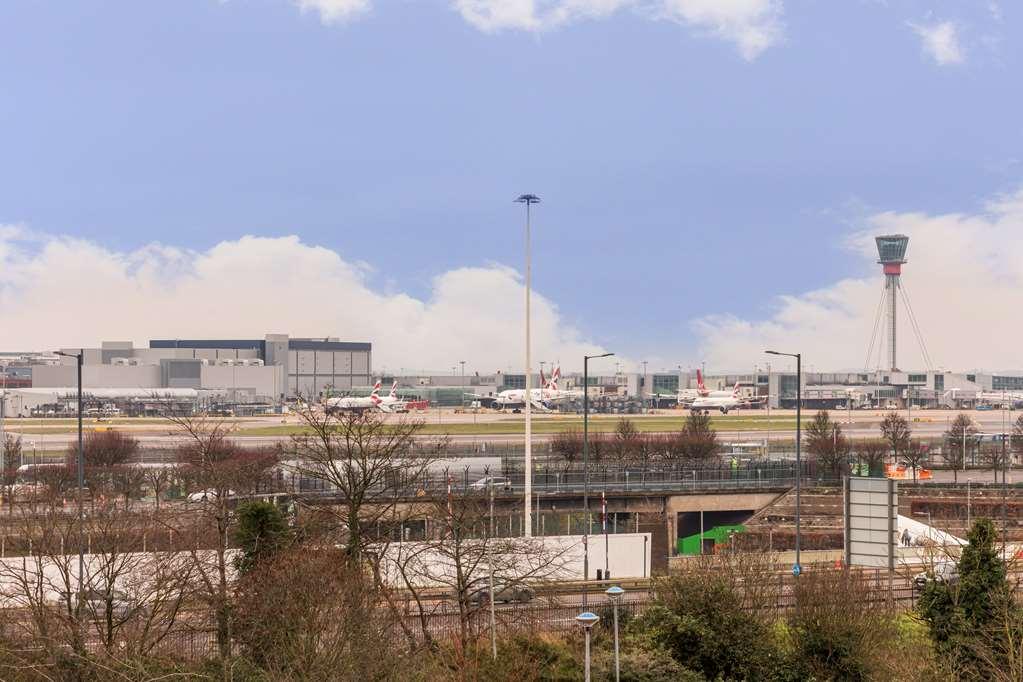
(690, 546)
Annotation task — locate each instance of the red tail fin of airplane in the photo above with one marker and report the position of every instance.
(543, 379)
(735, 390)
(699, 383)
(556, 377)
(394, 389)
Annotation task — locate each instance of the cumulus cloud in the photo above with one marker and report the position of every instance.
(752, 25)
(64, 292)
(940, 42)
(964, 279)
(334, 11)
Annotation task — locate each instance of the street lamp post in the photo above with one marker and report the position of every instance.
(527, 526)
(79, 358)
(586, 466)
(462, 363)
(587, 620)
(797, 568)
(643, 391)
(615, 595)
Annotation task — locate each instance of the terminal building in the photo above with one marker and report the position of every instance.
(874, 388)
(251, 372)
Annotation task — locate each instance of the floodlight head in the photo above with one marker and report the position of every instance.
(615, 592)
(587, 619)
(528, 199)
(594, 357)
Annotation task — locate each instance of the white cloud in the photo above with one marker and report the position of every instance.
(940, 42)
(60, 291)
(964, 279)
(334, 11)
(533, 15)
(752, 25)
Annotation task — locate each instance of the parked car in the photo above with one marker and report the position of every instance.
(943, 572)
(478, 592)
(206, 495)
(95, 603)
(497, 482)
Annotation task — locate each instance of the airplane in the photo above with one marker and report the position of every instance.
(704, 393)
(686, 396)
(725, 401)
(354, 404)
(552, 393)
(515, 398)
(729, 401)
(391, 402)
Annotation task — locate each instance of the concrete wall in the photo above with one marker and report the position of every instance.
(262, 381)
(97, 376)
(628, 556)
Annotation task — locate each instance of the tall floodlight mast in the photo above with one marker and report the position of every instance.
(891, 252)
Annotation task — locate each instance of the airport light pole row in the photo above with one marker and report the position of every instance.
(797, 568)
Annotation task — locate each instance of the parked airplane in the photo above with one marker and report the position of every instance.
(391, 402)
(354, 404)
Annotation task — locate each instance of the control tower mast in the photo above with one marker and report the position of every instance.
(891, 252)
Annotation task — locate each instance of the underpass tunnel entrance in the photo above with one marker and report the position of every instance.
(710, 531)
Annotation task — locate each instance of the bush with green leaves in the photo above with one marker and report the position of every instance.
(700, 620)
(965, 616)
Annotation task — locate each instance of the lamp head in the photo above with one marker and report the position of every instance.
(614, 592)
(587, 619)
(528, 199)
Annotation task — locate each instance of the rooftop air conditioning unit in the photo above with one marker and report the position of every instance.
(135, 362)
(120, 362)
(256, 363)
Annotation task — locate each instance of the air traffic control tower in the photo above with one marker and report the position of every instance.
(891, 252)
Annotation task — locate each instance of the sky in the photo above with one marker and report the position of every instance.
(712, 173)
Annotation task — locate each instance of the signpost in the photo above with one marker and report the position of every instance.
(871, 521)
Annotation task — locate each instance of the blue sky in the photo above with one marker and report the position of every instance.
(695, 158)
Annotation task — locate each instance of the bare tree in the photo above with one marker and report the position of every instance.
(568, 446)
(627, 441)
(826, 442)
(699, 441)
(895, 430)
(106, 449)
(872, 452)
(308, 614)
(371, 464)
(130, 600)
(961, 435)
(460, 557)
(915, 454)
(1016, 439)
(995, 455)
(211, 463)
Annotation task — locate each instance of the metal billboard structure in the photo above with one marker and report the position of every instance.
(871, 521)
